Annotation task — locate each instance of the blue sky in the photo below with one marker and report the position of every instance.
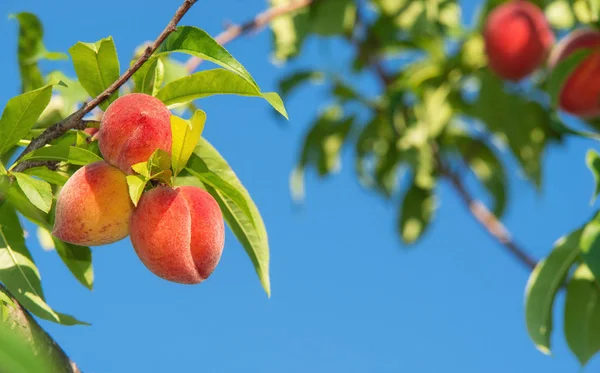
(347, 297)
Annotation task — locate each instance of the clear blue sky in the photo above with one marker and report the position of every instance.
(347, 297)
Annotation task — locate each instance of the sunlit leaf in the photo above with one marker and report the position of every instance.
(186, 134)
(543, 283)
(239, 211)
(97, 66)
(39, 192)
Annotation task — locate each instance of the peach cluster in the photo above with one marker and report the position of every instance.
(518, 40)
(178, 233)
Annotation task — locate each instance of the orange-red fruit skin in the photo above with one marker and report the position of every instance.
(179, 233)
(580, 93)
(132, 128)
(517, 39)
(93, 207)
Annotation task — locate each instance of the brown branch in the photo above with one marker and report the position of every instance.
(487, 219)
(74, 121)
(234, 31)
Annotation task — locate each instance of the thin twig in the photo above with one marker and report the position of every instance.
(234, 31)
(74, 121)
(486, 218)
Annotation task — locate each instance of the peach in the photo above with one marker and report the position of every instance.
(178, 233)
(132, 128)
(91, 131)
(93, 207)
(517, 39)
(580, 93)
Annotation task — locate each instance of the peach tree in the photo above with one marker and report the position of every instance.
(454, 102)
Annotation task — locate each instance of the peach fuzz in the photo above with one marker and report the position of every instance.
(93, 207)
(580, 93)
(517, 39)
(132, 128)
(178, 233)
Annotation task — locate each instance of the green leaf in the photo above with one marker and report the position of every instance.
(31, 50)
(20, 114)
(434, 110)
(590, 245)
(562, 71)
(487, 167)
(97, 67)
(18, 271)
(239, 211)
(196, 42)
(294, 80)
(17, 353)
(159, 161)
(149, 77)
(521, 123)
(39, 192)
(62, 153)
(416, 213)
(53, 177)
(214, 82)
(543, 283)
(186, 134)
(582, 314)
(78, 259)
(136, 184)
(592, 159)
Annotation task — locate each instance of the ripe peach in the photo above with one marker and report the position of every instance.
(178, 233)
(517, 39)
(93, 207)
(580, 93)
(132, 128)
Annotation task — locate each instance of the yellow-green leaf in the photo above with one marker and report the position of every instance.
(186, 134)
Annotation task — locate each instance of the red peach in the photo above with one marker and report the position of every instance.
(93, 207)
(178, 233)
(517, 39)
(580, 93)
(132, 128)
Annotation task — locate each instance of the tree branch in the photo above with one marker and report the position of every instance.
(486, 218)
(234, 31)
(74, 121)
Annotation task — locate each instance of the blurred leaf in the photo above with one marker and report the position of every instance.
(295, 79)
(332, 17)
(582, 314)
(39, 192)
(173, 69)
(45, 239)
(149, 77)
(186, 134)
(559, 14)
(592, 159)
(590, 244)
(289, 31)
(64, 102)
(13, 194)
(523, 124)
(62, 153)
(434, 110)
(487, 167)
(20, 115)
(239, 211)
(562, 71)
(213, 82)
(18, 271)
(543, 283)
(194, 41)
(416, 212)
(97, 67)
(31, 50)
(78, 259)
(323, 142)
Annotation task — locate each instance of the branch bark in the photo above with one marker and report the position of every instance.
(260, 20)
(487, 219)
(74, 121)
